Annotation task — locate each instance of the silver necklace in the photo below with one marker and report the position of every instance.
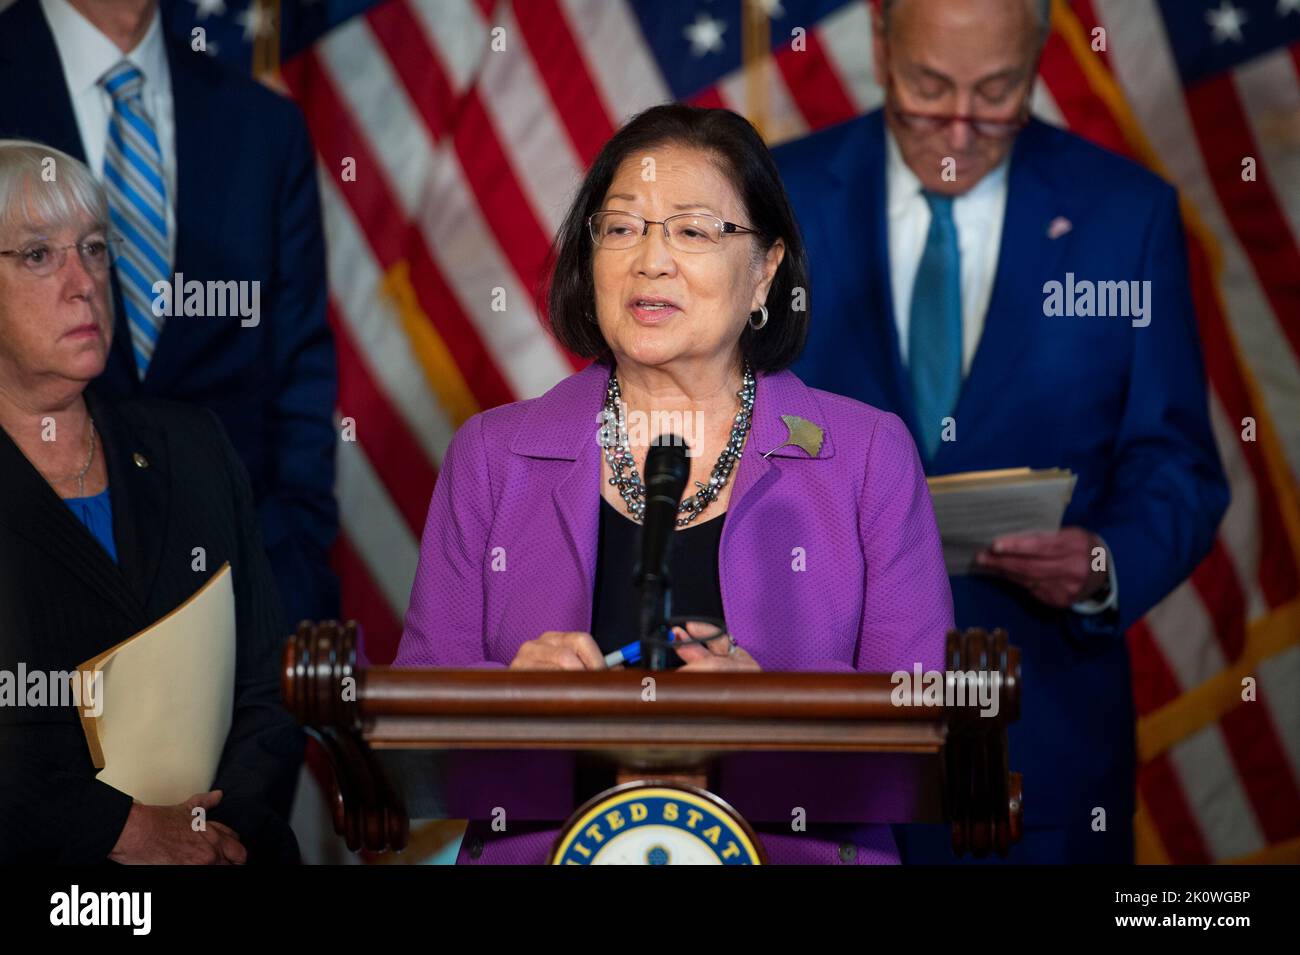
(618, 452)
(80, 476)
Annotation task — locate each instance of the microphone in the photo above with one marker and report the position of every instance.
(666, 473)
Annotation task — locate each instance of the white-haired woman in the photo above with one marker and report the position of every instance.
(102, 507)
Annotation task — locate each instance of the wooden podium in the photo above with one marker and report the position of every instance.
(434, 743)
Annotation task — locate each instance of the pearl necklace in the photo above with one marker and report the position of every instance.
(614, 439)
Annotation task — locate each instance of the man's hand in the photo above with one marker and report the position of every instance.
(1056, 568)
(165, 835)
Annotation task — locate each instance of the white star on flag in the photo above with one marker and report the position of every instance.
(1226, 21)
(256, 21)
(1287, 6)
(771, 8)
(209, 8)
(705, 34)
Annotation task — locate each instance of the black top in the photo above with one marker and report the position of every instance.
(176, 485)
(696, 590)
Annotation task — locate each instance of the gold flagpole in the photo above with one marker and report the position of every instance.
(756, 49)
(266, 44)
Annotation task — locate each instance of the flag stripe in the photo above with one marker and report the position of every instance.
(1264, 769)
(375, 528)
(817, 90)
(1216, 581)
(401, 464)
(563, 68)
(1225, 138)
(1203, 765)
(510, 127)
(1279, 578)
(845, 37)
(457, 32)
(1279, 676)
(1239, 530)
(1175, 821)
(394, 24)
(1270, 90)
(622, 67)
(377, 211)
(369, 314)
(710, 98)
(1181, 630)
(381, 628)
(1154, 683)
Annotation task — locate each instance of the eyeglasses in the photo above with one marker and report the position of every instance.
(926, 123)
(43, 259)
(688, 232)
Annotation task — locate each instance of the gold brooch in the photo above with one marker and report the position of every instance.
(803, 434)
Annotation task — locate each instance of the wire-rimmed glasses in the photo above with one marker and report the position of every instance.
(688, 232)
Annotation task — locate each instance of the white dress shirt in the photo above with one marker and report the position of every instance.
(978, 215)
(86, 55)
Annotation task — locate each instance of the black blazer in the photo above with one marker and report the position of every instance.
(175, 484)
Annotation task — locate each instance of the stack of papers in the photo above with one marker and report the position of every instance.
(974, 508)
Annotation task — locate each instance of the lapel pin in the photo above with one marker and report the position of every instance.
(1058, 227)
(803, 434)
(140, 460)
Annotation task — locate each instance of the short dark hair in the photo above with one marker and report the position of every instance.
(738, 149)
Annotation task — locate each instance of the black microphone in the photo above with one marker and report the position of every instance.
(666, 473)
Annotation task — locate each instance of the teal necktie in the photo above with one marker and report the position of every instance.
(934, 327)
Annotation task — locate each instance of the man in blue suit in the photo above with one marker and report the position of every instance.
(957, 250)
(211, 177)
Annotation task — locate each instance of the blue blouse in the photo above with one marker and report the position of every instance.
(96, 513)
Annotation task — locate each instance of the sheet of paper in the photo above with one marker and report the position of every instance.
(974, 508)
(167, 699)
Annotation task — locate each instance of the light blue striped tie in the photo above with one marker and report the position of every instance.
(934, 325)
(137, 200)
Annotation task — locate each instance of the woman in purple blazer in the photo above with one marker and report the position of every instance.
(680, 270)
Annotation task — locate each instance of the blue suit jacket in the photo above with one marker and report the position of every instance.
(247, 209)
(1121, 406)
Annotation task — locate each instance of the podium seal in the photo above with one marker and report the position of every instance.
(649, 823)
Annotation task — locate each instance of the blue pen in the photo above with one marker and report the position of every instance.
(629, 655)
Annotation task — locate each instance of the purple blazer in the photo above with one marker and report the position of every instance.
(825, 563)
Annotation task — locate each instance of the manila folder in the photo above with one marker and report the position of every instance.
(166, 697)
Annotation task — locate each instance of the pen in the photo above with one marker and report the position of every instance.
(630, 654)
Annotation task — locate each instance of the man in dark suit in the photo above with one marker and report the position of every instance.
(937, 230)
(211, 177)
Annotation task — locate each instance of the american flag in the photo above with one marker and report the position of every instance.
(452, 133)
